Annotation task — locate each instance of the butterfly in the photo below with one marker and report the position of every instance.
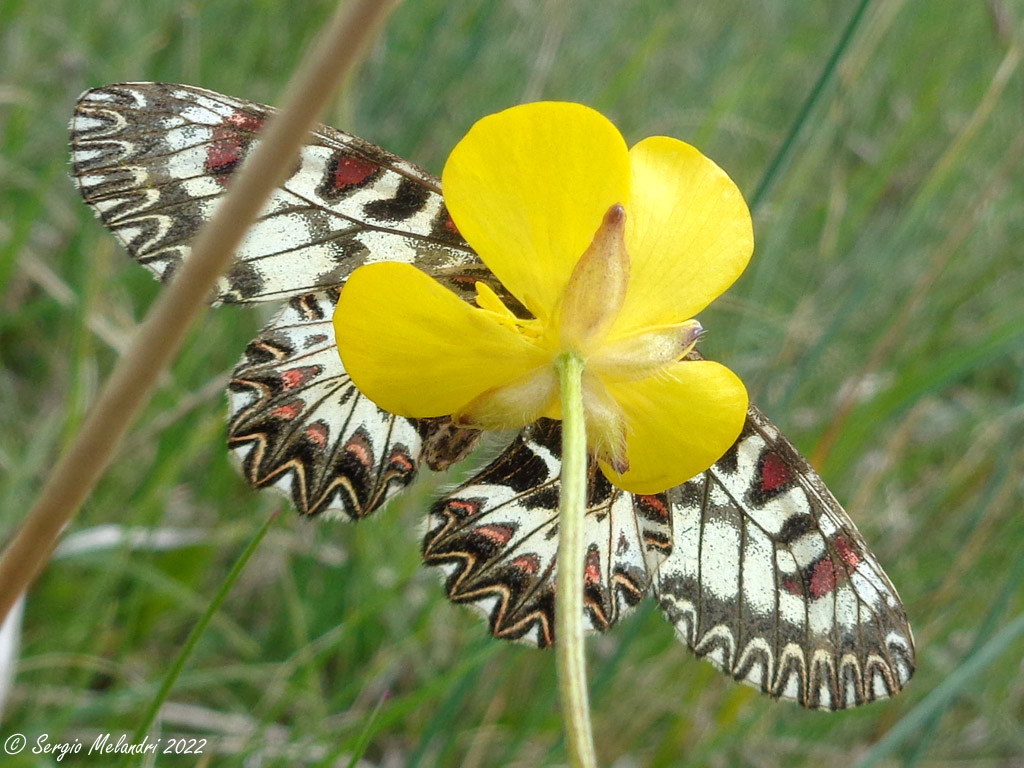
(753, 561)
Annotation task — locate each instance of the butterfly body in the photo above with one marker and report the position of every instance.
(753, 561)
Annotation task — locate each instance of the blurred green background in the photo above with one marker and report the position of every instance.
(881, 325)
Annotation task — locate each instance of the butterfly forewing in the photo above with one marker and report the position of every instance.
(753, 561)
(153, 160)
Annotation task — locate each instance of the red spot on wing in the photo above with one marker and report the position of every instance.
(847, 551)
(774, 472)
(528, 563)
(223, 155)
(654, 505)
(361, 452)
(592, 569)
(352, 170)
(318, 433)
(449, 224)
(823, 578)
(229, 144)
(468, 281)
(246, 121)
(297, 377)
(401, 460)
(499, 534)
(288, 411)
(463, 508)
(622, 545)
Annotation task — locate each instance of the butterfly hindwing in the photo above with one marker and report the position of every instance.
(153, 160)
(754, 562)
(496, 539)
(298, 423)
(770, 581)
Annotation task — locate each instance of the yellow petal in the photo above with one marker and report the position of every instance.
(528, 188)
(688, 231)
(416, 349)
(678, 423)
(487, 299)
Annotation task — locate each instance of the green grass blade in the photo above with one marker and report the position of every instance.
(364, 738)
(961, 678)
(785, 149)
(197, 631)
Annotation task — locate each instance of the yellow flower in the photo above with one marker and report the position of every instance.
(611, 250)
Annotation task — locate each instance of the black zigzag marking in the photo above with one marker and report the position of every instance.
(496, 539)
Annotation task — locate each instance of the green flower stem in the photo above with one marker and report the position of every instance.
(569, 647)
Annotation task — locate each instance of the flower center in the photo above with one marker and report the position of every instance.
(592, 301)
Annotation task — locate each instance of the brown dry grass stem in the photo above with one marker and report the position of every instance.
(162, 332)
